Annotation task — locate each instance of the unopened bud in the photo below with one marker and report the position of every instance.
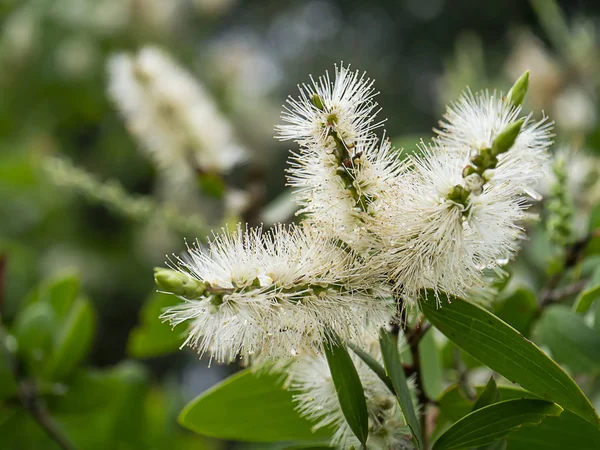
(505, 140)
(517, 93)
(318, 102)
(178, 283)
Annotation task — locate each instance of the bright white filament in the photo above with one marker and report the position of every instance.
(433, 242)
(274, 293)
(475, 120)
(345, 106)
(172, 115)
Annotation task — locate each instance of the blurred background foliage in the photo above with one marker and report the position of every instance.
(78, 305)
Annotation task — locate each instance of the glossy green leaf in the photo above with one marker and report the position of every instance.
(247, 407)
(493, 422)
(395, 371)
(153, 337)
(570, 340)
(348, 387)
(518, 309)
(373, 365)
(589, 294)
(60, 293)
(489, 395)
(506, 351)
(72, 340)
(565, 432)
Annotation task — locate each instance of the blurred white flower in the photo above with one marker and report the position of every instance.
(272, 294)
(344, 106)
(172, 115)
(316, 399)
(475, 121)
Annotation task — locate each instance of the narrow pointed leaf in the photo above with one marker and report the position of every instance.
(348, 387)
(493, 422)
(251, 408)
(395, 371)
(489, 395)
(505, 350)
(373, 365)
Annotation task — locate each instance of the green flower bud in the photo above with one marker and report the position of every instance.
(505, 140)
(178, 283)
(517, 93)
(318, 102)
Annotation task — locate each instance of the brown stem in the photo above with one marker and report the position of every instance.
(413, 341)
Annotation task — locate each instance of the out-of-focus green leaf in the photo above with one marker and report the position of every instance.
(493, 422)
(565, 432)
(589, 294)
(115, 421)
(518, 309)
(506, 351)
(348, 387)
(60, 293)
(431, 365)
(153, 337)
(72, 340)
(454, 404)
(408, 144)
(395, 371)
(569, 339)
(229, 411)
(33, 330)
(8, 385)
(489, 395)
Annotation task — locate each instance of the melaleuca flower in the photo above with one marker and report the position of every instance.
(172, 115)
(474, 122)
(343, 109)
(441, 235)
(309, 378)
(272, 294)
(341, 197)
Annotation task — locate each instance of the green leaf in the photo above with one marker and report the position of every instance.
(490, 395)
(493, 422)
(454, 403)
(394, 369)
(589, 294)
(565, 432)
(72, 341)
(60, 293)
(504, 350)
(570, 340)
(431, 365)
(33, 330)
(348, 387)
(248, 407)
(373, 365)
(518, 309)
(153, 337)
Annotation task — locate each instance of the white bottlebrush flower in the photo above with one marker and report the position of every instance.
(309, 378)
(342, 198)
(272, 294)
(434, 242)
(344, 106)
(473, 123)
(172, 115)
